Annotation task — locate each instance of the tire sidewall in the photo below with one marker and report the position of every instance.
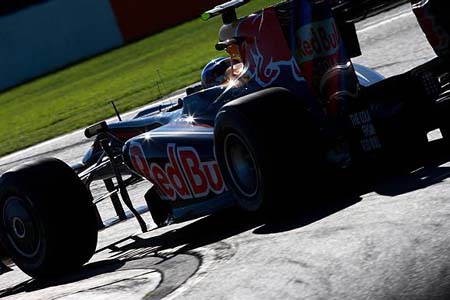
(286, 144)
(37, 260)
(231, 122)
(65, 213)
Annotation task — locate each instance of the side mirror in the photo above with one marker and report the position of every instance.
(95, 129)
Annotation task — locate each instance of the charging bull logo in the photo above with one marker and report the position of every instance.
(265, 50)
(317, 39)
(184, 176)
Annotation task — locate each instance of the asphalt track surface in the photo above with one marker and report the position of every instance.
(391, 241)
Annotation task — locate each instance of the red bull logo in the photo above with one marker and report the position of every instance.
(184, 176)
(317, 39)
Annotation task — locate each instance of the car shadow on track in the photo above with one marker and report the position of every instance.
(420, 179)
(429, 171)
(202, 232)
(89, 271)
(161, 251)
(173, 249)
(340, 194)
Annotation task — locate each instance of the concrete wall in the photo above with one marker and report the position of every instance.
(45, 37)
(48, 36)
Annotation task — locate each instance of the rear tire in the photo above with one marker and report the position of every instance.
(47, 219)
(445, 131)
(444, 112)
(441, 117)
(245, 169)
(252, 145)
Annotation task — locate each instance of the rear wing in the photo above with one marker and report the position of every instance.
(348, 10)
(357, 10)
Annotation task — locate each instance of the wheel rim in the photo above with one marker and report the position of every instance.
(21, 226)
(241, 165)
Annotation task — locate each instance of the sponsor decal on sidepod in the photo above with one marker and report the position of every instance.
(184, 176)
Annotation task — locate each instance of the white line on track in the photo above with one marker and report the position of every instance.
(385, 22)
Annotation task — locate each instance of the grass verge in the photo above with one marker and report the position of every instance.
(132, 75)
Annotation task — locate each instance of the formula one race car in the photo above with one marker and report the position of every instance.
(253, 139)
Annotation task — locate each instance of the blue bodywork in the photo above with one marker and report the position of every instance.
(172, 146)
(192, 125)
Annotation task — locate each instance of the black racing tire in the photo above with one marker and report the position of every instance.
(160, 210)
(48, 223)
(441, 116)
(445, 132)
(232, 136)
(252, 137)
(444, 126)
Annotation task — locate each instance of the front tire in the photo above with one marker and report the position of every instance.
(48, 222)
(160, 210)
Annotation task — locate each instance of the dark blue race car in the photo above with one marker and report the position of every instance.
(256, 136)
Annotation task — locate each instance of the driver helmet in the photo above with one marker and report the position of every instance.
(214, 73)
